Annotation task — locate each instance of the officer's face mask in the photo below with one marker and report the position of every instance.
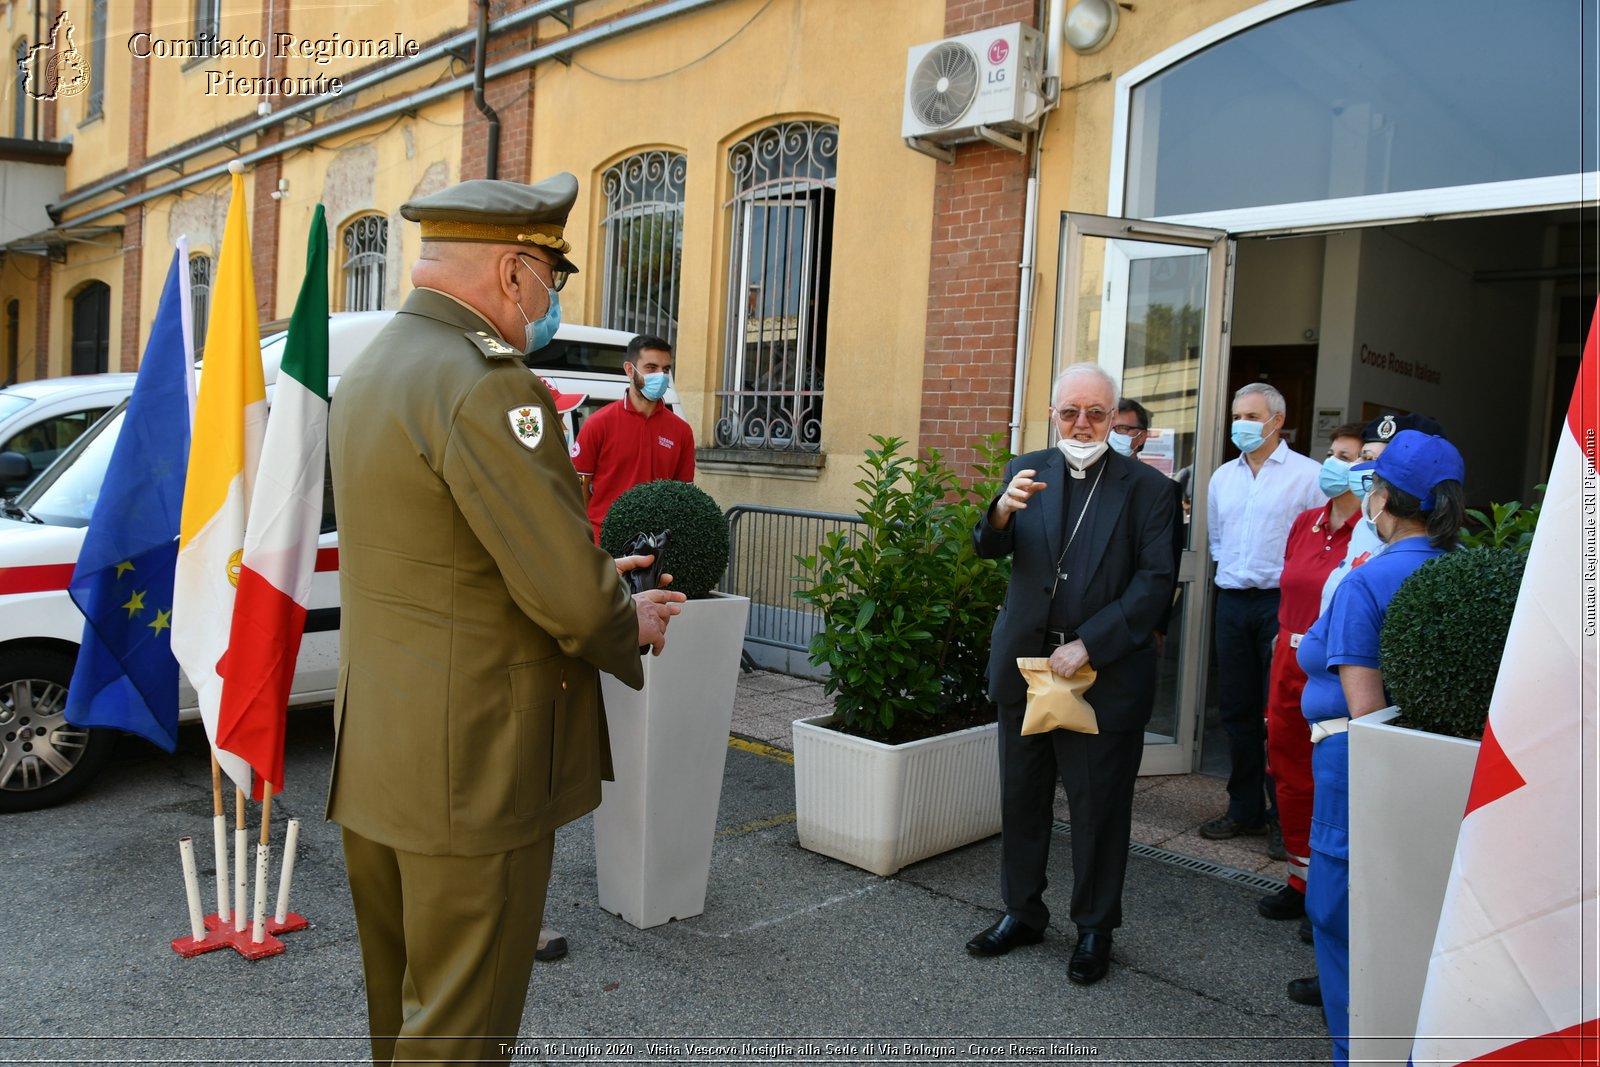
(537, 334)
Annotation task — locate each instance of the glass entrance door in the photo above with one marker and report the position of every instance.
(1148, 302)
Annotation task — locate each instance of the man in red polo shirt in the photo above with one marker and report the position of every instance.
(637, 439)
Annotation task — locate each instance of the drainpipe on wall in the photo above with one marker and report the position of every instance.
(1055, 24)
(480, 60)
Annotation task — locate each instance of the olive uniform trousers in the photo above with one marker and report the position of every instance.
(468, 926)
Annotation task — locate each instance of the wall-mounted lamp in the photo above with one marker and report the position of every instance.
(264, 108)
(1090, 25)
(282, 190)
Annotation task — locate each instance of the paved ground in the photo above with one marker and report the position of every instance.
(797, 958)
(1166, 813)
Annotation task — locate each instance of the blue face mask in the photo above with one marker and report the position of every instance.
(535, 335)
(1246, 435)
(654, 386)
(1358, 482)
(1335, 477)
(1121, 443)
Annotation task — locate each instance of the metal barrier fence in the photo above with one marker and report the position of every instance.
(763, 544)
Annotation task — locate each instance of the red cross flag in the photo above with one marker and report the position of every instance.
(1513, 978)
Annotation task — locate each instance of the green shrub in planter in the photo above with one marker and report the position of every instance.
(1443, 636)
(697, 555)
(907, 606)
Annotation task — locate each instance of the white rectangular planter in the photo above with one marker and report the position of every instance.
(1408, 791)
(881, 807)
(655, 824)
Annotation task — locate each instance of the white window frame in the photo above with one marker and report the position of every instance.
(1550, 192)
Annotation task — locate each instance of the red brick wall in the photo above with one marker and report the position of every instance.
(973, 282)
(133, 219)
(511, 97)
(266, 172)
(41, 322)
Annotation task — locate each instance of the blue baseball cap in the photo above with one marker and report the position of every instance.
(1416, 462)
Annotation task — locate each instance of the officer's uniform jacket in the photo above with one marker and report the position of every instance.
(476, 609)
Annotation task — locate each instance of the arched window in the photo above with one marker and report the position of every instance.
(642, 235)
(366, 251)
(201, 272)
(779, 268)
(91, 329)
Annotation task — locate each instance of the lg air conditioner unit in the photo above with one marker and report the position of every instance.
(984, 86)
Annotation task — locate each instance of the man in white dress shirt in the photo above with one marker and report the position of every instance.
(1250, 503)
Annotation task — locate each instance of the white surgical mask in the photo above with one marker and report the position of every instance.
(1372, 519)
(1081, 454)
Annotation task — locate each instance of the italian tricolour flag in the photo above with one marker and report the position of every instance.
(1515, 973)
(280, 543)
(229, 421)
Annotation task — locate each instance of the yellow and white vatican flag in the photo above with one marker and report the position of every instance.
(229, 422)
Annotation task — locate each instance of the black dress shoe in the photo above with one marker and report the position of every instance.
(1286, 903)
(1307, 991)
(1004, 936)
(1092, 959)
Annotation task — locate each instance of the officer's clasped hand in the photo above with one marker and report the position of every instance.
(655, 607)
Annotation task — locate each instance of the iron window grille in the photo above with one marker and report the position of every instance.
(779, 269)
(366, 253)
(97, 61)
(643, 240)
(207, 25)
(19, 102)
(201, 271)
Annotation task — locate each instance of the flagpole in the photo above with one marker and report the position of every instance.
(219, 840)
(286, 875)
(263, 858)
(241, 843)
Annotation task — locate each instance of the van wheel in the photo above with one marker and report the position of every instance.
(44, 759)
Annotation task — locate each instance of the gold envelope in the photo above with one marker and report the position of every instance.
(1054, 702)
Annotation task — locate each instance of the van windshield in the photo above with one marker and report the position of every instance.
(65, 493)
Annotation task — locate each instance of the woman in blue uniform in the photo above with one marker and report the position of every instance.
(1414, 504)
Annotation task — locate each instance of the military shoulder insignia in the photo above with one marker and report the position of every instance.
(527, 425)
(491, 346)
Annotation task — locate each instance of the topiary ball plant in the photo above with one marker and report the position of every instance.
(1443, 636)
(697, 555)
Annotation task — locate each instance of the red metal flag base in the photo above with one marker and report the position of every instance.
(188, 946)
(291, 923)
(221, 934)
(256, 950)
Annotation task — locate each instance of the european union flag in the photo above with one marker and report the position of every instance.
(126, 677)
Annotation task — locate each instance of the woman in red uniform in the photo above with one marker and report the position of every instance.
(1317, 542)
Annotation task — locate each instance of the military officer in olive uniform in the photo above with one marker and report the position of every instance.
(477, 612)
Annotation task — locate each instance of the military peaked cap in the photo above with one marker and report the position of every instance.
(497, 212)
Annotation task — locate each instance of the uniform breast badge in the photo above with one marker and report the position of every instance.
(527, 425)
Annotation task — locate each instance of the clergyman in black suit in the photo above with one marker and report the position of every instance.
(1090, 533)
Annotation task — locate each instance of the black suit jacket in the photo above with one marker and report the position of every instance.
(1127, 591)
